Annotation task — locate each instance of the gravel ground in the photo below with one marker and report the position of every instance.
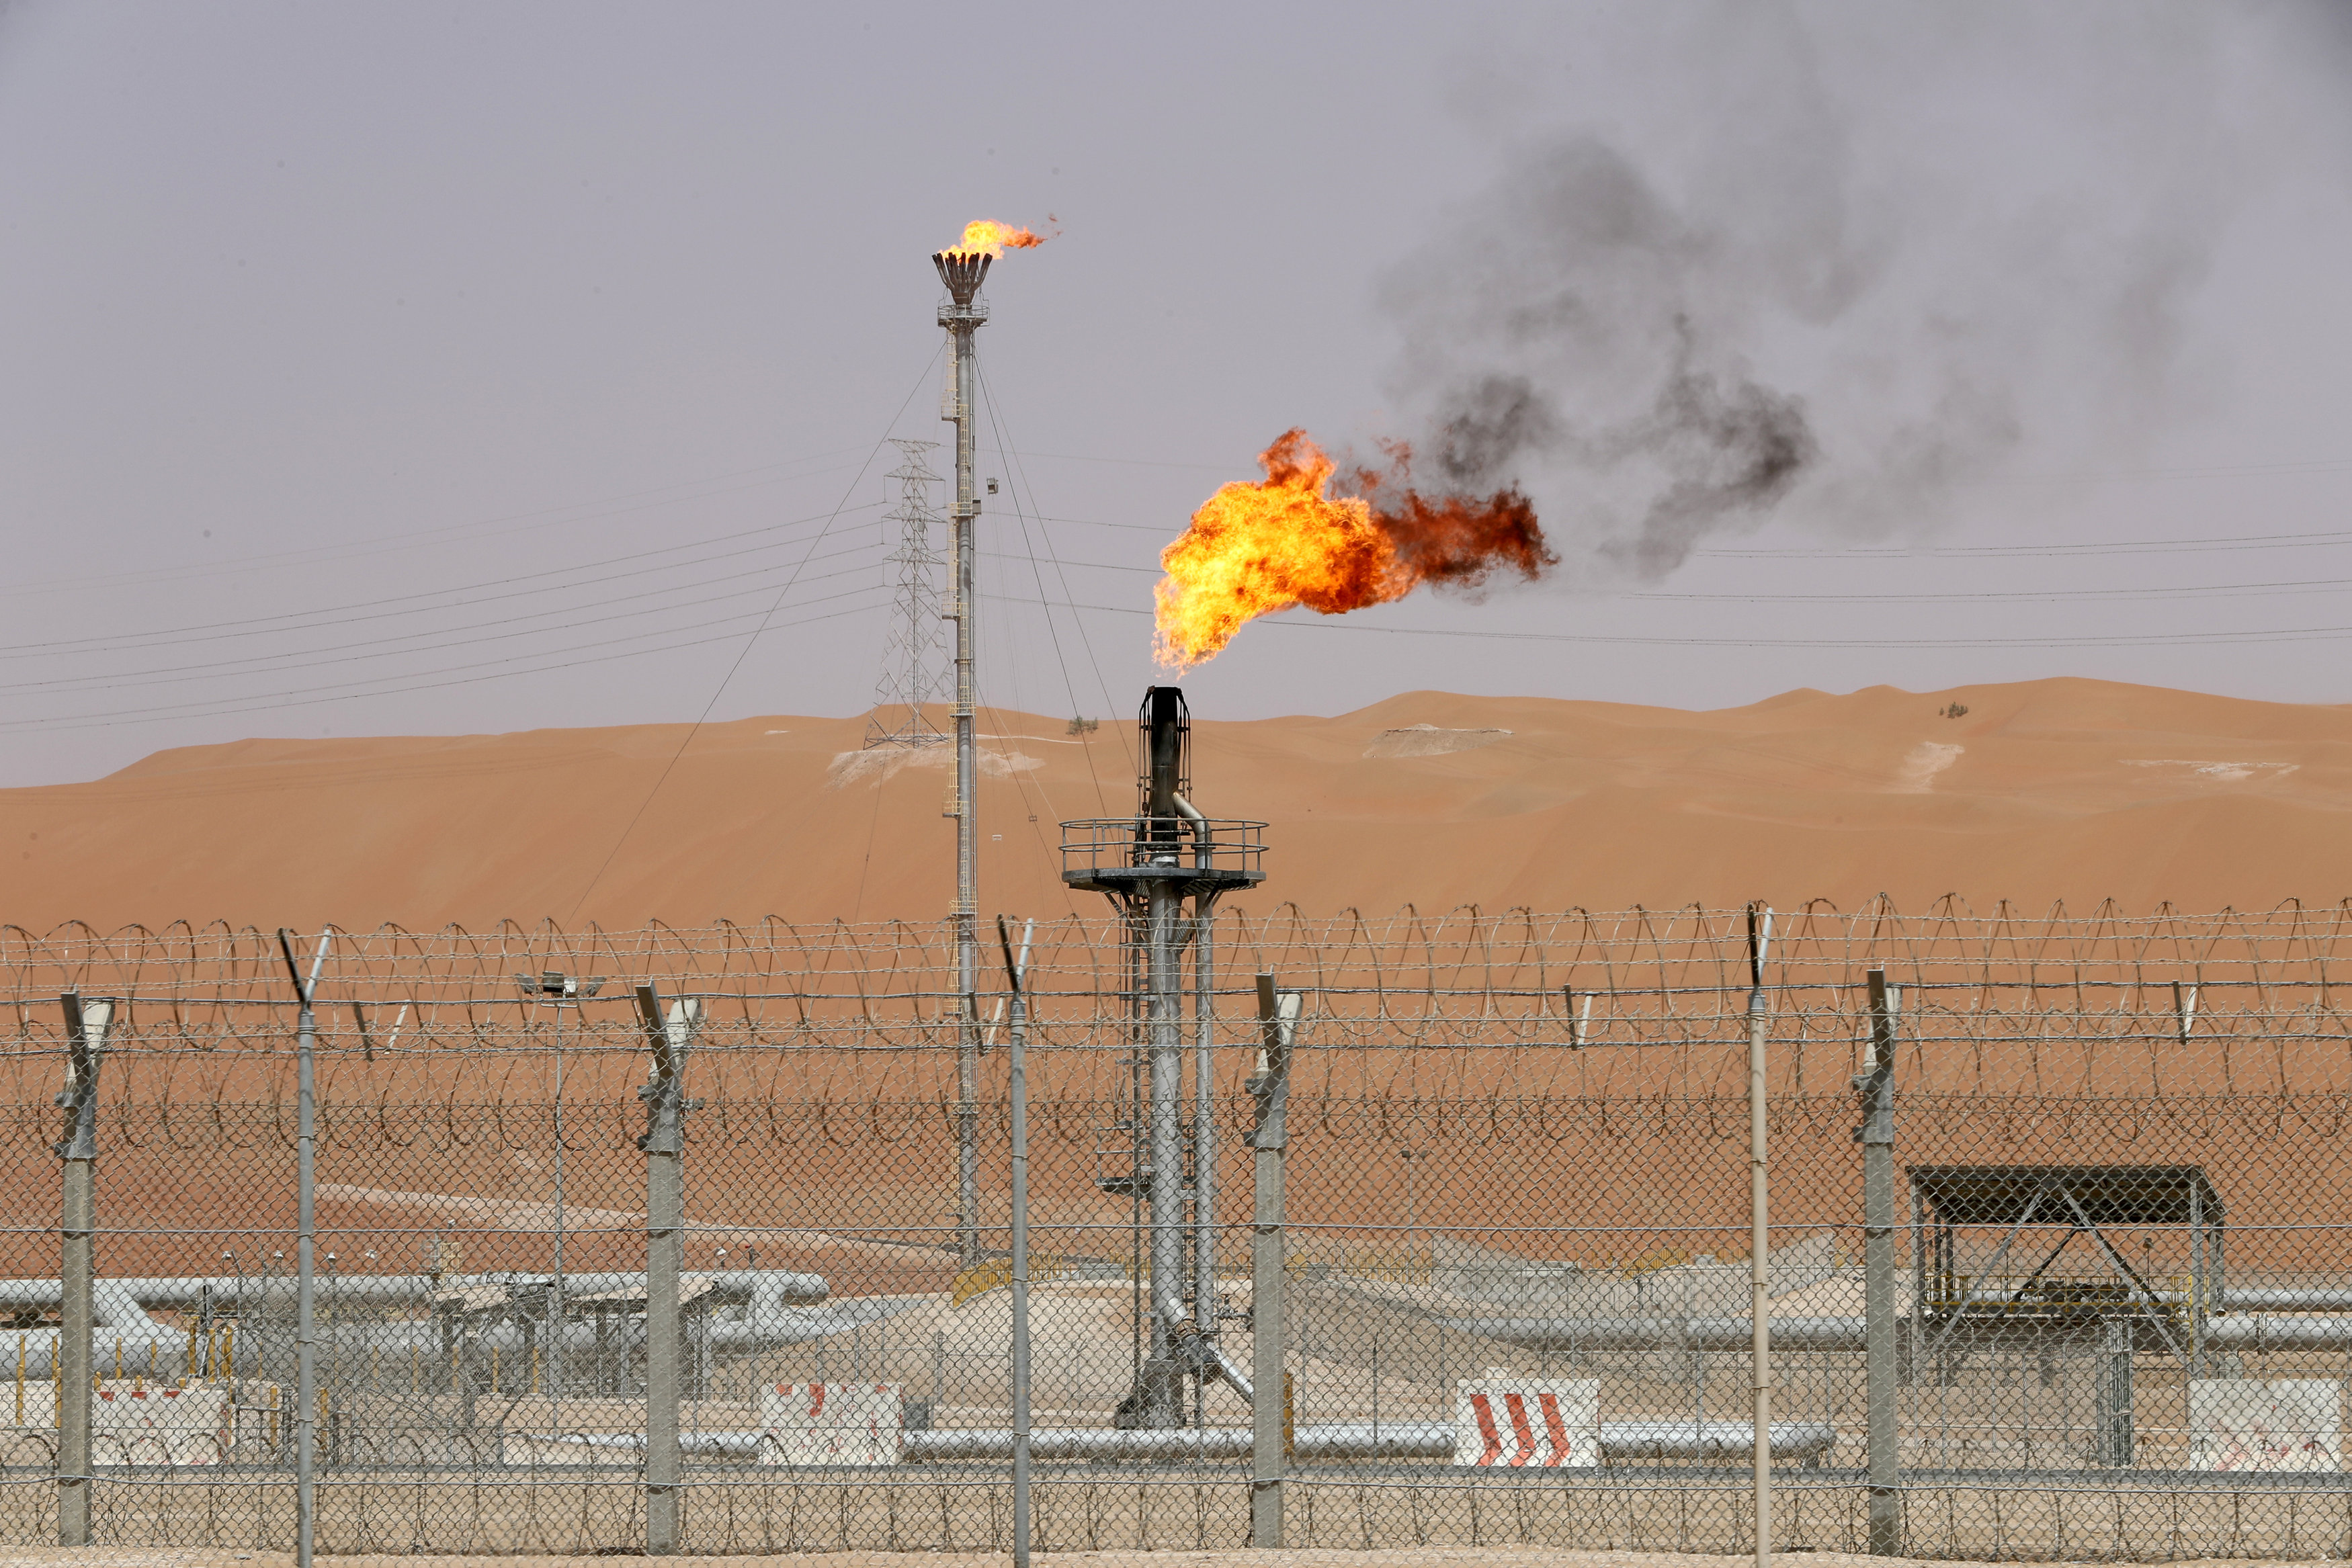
(1433, 1557)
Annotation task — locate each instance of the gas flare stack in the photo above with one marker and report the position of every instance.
(962, 313)
(1169, 857)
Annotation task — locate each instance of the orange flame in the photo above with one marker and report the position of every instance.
(984, 237)
(1259, 546)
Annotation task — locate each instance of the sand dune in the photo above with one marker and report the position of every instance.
(2070, 790)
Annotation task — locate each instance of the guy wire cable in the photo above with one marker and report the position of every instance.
(1110, 705)
(745, 652)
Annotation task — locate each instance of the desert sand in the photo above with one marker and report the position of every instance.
(2048, 790)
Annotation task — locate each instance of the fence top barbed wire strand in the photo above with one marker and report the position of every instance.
(1520, 952)
(1454, 1005)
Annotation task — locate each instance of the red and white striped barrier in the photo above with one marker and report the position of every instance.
(830, 1424)
(1541, 1423)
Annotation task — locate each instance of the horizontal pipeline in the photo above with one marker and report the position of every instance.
(693, 1445)
(1663, 1334)
(2236, 1331)
(2286, 1298)
(730, 1287)
(779, 1309)
(1324, 1442)
(1355, 1440)
(1349, 1440)
(2277, 1332)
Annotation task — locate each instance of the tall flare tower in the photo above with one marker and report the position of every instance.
(962, 313)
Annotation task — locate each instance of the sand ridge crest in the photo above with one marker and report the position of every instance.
(1591, 804)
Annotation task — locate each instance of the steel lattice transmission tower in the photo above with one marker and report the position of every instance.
(914, 663)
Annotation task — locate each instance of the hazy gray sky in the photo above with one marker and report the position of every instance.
(421, 368)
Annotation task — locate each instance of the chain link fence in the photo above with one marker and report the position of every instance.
(2059, 1265)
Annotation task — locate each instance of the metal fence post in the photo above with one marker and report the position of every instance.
(86, 1027)
(1277, 1014)
(1760, 1275)
(664, 1145)
(1881, 1372)
(1018, 1089)
(306, 1358)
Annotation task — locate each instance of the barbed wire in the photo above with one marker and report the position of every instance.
(1466, 1003)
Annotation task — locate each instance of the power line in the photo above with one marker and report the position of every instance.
(2153, 639)
(266, 664)
(1084, 641)
(548, 517)
(745, 652)
(272, 702)
(1069, 687)
(1992, 552)
(341, 614)
(2030, 595)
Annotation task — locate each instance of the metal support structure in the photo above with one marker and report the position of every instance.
(1018, 1071)
(1204, 1115)
(1759, 1276)
(669, 1035)
(1164, 1035)
(911, 679)
(2114, 1436)
(961, 314)
(1882, 1369)
(86, 1027)
(306, 1237)
(1149, 867)
(1277, 1013)
(2077, 1201)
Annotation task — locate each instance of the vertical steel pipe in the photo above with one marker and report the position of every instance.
(1204, 1119)
(1163, 1031)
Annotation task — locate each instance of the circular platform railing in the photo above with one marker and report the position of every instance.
(1114, 852)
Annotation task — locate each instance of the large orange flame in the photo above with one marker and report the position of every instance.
(983, 237)
(1259, 546)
